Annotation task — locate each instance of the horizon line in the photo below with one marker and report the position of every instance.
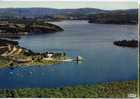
(65, 8)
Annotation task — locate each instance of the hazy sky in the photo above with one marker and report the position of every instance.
(70, 4)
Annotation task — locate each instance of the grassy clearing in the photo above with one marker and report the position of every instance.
(106, 90)
(4, 62)
(12, 61)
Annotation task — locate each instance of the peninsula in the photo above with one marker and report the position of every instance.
(115, 17)
(19, 27)
(11, 54)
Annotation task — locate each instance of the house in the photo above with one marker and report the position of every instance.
(49, 55)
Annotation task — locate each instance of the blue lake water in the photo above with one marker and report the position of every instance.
(103, 61)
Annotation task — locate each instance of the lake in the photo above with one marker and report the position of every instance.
(103, 61)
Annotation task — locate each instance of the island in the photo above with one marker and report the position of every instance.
(127, 43)
(19, 27)
(11, 55)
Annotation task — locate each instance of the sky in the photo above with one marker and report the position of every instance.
(61, 4)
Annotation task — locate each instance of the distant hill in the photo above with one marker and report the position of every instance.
(56, 14)
(38, 12)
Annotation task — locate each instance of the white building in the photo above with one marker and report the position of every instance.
(49, 55)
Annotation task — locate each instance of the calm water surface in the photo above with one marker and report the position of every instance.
(103, 61)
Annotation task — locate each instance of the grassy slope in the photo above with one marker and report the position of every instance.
(3, 62)
(115, 89)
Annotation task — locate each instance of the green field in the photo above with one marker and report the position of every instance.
(105, 90)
